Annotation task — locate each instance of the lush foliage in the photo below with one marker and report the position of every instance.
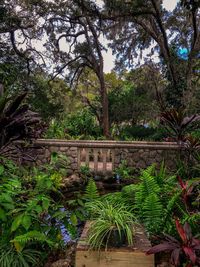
(78, 125)
(31, 214)
(107, 219)
(123, 171)
(177, 124)
(16, 121)
(185, 250)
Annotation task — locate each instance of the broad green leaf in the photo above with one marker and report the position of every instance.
(26, 221)
(73, 219)
(80, 202)
(17, 222)
(38, 209)
(18, 246)
(2, 215)
(45, 203)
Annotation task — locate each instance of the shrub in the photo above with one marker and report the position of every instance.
(140, 132)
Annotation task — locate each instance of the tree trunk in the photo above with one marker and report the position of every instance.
(105, 113)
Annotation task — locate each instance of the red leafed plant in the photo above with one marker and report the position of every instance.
(186, 250)
(186, 189)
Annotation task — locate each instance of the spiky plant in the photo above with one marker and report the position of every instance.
(108, 219)
(177, 124)
(10, 257)
(17, 122)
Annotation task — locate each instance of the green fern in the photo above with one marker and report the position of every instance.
(161, 175)
(32, 236)
(155, 198)
(152, 213)
(172, 204)
(149, 181)
(91, 192)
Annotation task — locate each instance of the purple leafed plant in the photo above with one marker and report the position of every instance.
(186, 250)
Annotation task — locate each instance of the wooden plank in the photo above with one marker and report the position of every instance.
(113, 259)
(127, 256)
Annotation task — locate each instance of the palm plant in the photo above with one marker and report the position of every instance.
(16, 121)
(112, 224)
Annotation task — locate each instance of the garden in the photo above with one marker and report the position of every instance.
(99, 133)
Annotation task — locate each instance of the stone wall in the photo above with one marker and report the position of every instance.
(142, 156)
(137, 154)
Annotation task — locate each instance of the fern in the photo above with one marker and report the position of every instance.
(149, 184)
(172, 204)
(152, 213)
(32, 236)
(91, 192)
(155, 198)
(161, 174)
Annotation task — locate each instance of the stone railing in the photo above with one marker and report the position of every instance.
(104, 156)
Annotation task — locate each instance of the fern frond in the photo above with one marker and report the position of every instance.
(149, 183)
(91, 192)
(152, 213)
(32, 236)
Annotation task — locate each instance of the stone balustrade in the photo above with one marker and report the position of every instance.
(104, 156)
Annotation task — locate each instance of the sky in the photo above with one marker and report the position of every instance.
(109, 58)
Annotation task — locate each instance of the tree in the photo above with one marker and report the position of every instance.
(52, 100)
(19, 26)
(133, 100)
(75, 39)
(136, 24)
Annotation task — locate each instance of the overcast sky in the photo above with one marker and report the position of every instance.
(109, 58)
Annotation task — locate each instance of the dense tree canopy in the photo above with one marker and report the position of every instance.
(137, 25)
(42, 41)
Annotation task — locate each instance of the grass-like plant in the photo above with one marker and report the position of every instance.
(10, 257)
(108, 221)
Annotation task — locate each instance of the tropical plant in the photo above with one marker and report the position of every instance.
(91, 192)
(83, 123)
(109, 221)
(190, 196)
(155, 198)
(186, 250)
(177, 124)
(30, 217)
(16, 121)
(77, 206)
